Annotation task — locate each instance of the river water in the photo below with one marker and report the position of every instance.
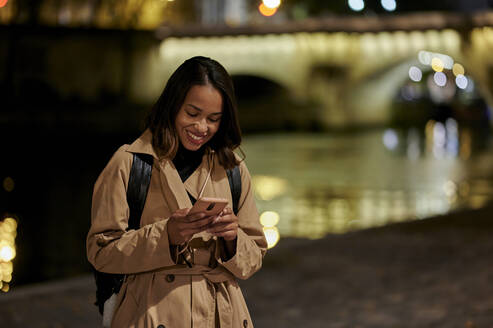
(310, 185)
(307, 185)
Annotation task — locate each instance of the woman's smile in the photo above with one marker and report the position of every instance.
(196, 138)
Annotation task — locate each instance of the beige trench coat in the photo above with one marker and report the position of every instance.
(158, 291)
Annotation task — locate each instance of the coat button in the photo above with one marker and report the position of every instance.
(169, 278)
(245, 323)
(161, 326)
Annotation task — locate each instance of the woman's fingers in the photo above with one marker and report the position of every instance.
(187, 230)
(180, 214)
(195, 216)
(197, 224)
(181, 226)
(185, 226)
(225, 226)
(226, 218)
(221, 227)
(226, 211)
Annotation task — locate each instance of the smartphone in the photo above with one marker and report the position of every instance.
(209, 205)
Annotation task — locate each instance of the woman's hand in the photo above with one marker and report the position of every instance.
(182, 226)
(225, 225)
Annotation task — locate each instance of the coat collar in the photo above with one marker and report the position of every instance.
(174, 190)
(143, 145)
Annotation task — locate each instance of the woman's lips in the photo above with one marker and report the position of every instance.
(194, 138)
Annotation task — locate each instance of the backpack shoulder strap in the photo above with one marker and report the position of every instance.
(234, 178)
(138, 185)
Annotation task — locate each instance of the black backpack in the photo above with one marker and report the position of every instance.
(108, 284)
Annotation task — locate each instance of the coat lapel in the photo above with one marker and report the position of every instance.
(173, 189)
(217, 186)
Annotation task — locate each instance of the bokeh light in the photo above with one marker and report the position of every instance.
(437, 64)
(266, 11)
(452, 129)
(3, 3)
(272, 236)
(268, 187)
(8, 232)
(439, 134)
(461, 81)
(7, 253)
(426, 58)
(415, 74)
(269, 219)
(440, 79)
(271, 4)
(458, 69)
(356, 5)
(389, 5)
(8, 184)
(390, 139)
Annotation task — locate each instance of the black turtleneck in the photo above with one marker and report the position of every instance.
(187, 161)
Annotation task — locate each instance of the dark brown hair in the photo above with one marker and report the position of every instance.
(161, 120)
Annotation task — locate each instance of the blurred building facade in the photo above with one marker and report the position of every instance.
(149, 14)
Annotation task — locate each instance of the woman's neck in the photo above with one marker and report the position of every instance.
(187, 161)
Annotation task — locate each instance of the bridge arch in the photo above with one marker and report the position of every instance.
(273, 102)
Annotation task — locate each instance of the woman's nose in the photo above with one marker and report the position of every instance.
(202, 126)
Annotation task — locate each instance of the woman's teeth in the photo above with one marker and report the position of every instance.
(194, 137)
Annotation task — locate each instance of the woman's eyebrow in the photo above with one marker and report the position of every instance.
(201, 110)
(195, 107)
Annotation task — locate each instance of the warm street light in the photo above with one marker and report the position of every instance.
(266, 11)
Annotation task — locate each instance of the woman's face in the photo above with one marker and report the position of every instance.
(199, 117)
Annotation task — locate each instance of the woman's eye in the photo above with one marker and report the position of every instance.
(192, 114)
(214, 120)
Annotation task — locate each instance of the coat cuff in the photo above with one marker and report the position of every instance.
(246, 260)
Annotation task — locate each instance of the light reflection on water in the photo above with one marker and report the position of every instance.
(333, 183)
(8, 232)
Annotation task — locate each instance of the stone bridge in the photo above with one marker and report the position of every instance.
(352, 67)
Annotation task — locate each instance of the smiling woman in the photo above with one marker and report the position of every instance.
(180, 268)
(198, 97)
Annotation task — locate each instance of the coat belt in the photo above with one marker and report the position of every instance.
(215, 278)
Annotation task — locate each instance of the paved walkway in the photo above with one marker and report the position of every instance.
(430, 273)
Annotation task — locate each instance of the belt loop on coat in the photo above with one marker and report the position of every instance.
(186, 253)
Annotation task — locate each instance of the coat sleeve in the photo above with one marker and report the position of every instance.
(112, 249)
(251, 244)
